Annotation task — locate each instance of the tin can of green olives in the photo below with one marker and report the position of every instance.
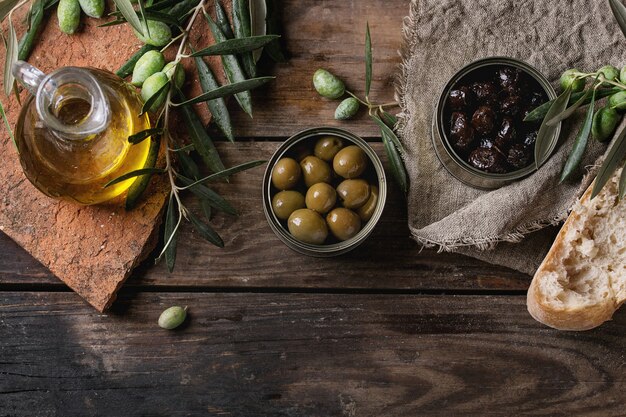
(478, 131)
(301, 146)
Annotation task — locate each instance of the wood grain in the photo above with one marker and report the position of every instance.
(303, 355)
(254, 257)
(331, 35)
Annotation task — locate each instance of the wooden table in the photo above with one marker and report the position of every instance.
(384, 331)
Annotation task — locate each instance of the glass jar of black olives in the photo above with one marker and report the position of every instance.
(478, 130)
(315, 189)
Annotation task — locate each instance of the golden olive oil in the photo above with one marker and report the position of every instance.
(77, 168)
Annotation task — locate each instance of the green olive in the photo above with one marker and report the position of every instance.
(172, 317)
(315, 170)
(347, 108)
(344, 224)
(350, 162)
(327, 147)
(610, 73)
(327, 85)
(286, 174)
(622, 75)
(321, 197)
(286, 202)
(175, 72)
(151, 62)
(568, 78)
(155, 33)
(618, 100)
(366, 211)
(308, 226)
(353, 193)
(604, 124)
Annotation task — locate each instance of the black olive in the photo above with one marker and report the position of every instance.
(483, 120)
(509, 78)
(506, 134)
(530, 138)
(460, 98)
(486, 142)
(485, 92)
(461, 132)
(487, 159)
(511, 105)
(519, 156)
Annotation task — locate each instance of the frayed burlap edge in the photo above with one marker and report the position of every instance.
(409, 36)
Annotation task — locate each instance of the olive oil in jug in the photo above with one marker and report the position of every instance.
(72, 133)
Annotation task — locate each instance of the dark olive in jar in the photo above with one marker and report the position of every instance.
(344, 224)
(483, 120)
(315, 170)
(461, 133)
(487, 159)
(350, 162)
(366, 211)
(535, 99)
(307, 226)
(286, 202)
(486, 142)
(321, 197)
(506, 134)
(485, 92)
(353, 193)
(509, 78)
(519, 156)
(286, 174)
(460, 98)
(327, 147)
(530, 138)
(511, 105)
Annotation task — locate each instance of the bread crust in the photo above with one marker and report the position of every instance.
(566, 318)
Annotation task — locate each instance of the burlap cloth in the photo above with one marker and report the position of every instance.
(506, 226)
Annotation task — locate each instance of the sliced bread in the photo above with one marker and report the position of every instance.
(582, 280)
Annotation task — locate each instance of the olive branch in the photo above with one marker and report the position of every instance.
(163, 24)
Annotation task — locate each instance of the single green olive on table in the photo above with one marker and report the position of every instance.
(172, 317)
(331, 87)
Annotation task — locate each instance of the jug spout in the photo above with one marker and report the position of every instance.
(53, 92)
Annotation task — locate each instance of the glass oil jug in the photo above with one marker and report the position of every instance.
(72, 132)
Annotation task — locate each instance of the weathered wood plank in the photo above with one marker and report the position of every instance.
(329, 35)
(303, 355)
(254, 257)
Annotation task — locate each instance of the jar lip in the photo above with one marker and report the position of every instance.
(333, 249)
(81, 84)
(470, 175)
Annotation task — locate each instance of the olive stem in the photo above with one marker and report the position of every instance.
(371, 105)
(172, 41)
(357, 98)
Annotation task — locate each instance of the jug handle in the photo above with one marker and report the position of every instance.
(28, 75)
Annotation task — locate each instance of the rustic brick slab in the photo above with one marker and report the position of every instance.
(92, 249)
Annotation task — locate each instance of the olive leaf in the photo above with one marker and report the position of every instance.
(217, 107)
(545, 137)
(6, 6)
(222, 20)
(127, 69)
(137, 188)
(144, 134)
(242, 29)
(571, 109)
(227, 172)
(200, 139)
(133, 174)
(393, 147)
(182, 8)
(258, 27)
(236, 46)
(189, 167)
(368, 60)
(580, 143)
(127, 10)
(539, 112)
(205, 230)
(10, 59)
(205, 193)
(232, 68)
(160, 5)
(7, 125)
(619, 11)
(226, 90)
(143, 17)
(162, 17)
(170, 234)
(612, 162)
(206, 209)
(389, 133)
(389, 119)
(35, 17)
